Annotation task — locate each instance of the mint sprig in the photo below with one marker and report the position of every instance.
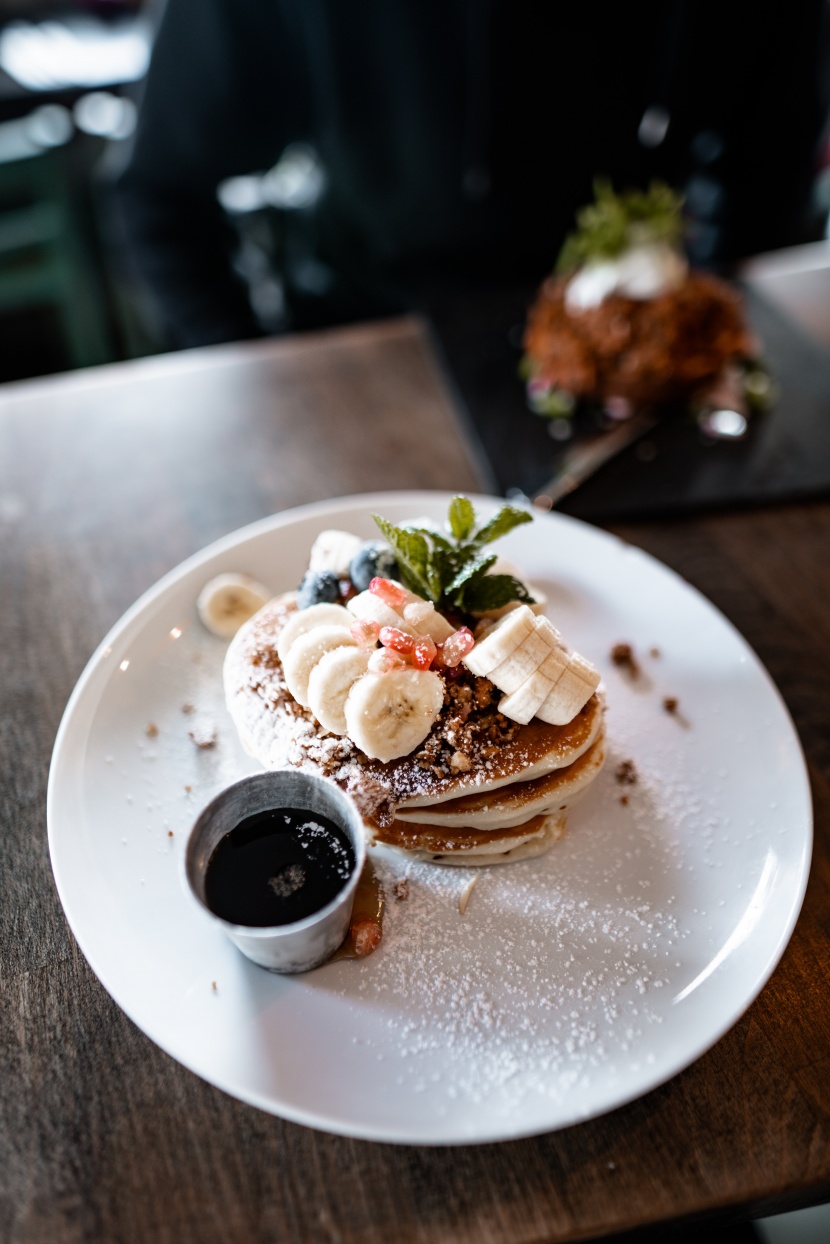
(450, 568)
(613, 221)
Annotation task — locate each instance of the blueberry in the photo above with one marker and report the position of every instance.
(374, 559)
(318, 587)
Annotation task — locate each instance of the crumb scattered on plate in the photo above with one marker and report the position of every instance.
(625, 773)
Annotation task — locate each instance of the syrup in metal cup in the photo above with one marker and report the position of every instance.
(306, 802)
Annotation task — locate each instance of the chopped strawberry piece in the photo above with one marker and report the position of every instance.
(365, 633)
(391, 637)
(424, 652)
(388, 591)
(457, 646)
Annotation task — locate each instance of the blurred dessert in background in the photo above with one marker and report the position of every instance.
(625, 324)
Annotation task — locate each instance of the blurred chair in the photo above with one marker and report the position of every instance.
(45, 260)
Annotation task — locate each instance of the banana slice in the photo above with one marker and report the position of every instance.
(229, 600)
(306, 651)
(334, 550)
(423, 618)
(389, 715)
(329, 683)
(525, 702)
(415, 616)
(501, 642)
(369, 607)
(526, 659)
(571, 692)
(305, 620)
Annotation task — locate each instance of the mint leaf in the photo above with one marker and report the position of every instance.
(462, 517)
(434, 536)
(492, 591)
(470, 570)
(453, 572)
(508, 517)
(413, 554)
(608, 225)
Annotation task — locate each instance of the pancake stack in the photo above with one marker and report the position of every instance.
(478, 787)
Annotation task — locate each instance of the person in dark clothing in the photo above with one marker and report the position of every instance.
(458, 137)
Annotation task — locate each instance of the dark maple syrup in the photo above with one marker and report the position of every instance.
(278, 866)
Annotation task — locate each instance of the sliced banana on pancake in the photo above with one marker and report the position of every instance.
(306, 651)
(415, 615)
(330, 682)
(524, 703)
(424, 619)
(389, 715)
(501, 642)
(574, 687)
(523, 656)
(370, 608)
(305, 620)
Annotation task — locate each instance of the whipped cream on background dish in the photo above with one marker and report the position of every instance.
(643, 270)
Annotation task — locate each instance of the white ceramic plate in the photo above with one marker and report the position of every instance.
(572, 984)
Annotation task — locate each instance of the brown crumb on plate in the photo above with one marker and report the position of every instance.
(151, 730)
(625, 773)
(623, 656)
(400, 889)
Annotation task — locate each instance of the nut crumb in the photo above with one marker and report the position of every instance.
(460, 762)
(625, 773)
(400, 889)
(623, 656)
(169, 833)
(188, 789)
(465, 897)
(187, 709)
(151, 730)
(214, 986)
(670, 703)
(624, 800)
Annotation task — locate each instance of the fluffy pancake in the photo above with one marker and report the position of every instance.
(477, 772)
(517, 803)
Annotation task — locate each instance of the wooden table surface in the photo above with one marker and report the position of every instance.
(107, 480)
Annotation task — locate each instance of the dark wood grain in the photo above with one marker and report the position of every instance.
(107, 480)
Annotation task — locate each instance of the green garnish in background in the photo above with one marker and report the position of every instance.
(451, 569)
(613, 221)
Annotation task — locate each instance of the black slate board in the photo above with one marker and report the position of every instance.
(674, 468)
